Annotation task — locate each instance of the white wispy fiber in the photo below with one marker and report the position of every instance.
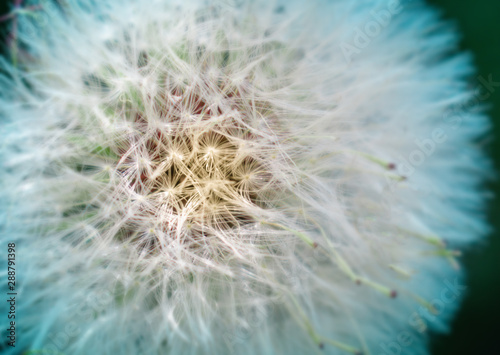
(256, 177)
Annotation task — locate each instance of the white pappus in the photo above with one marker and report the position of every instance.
(252, 177)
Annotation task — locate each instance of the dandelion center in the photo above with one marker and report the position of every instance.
(190, 166)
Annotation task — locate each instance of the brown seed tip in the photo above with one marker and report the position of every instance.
(394, 294)
(358, 282)
(315, 245)
(321, 346)
(391, 166)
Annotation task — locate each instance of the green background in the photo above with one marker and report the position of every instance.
(474, 329)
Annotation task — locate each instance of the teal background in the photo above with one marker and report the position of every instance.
(474, 329)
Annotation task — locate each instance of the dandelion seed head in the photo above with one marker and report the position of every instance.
(199, 177)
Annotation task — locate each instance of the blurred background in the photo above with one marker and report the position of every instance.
(474, 329)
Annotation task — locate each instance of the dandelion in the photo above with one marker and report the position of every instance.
(191, 177)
